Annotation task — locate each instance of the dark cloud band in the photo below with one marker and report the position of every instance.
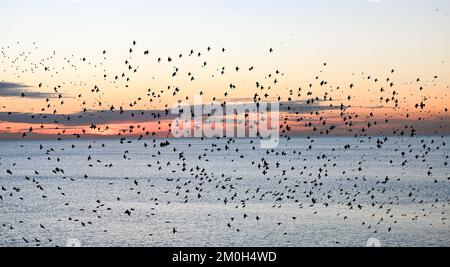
(9, 89)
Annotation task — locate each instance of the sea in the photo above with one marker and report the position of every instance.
(334, 191)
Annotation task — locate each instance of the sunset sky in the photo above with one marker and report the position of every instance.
(45, 42)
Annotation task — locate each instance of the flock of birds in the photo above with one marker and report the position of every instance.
(316, 110)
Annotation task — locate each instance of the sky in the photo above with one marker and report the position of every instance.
(355, 38)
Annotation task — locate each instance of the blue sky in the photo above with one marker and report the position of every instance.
(316, 26)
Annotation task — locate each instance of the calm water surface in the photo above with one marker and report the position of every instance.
(338, 196)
